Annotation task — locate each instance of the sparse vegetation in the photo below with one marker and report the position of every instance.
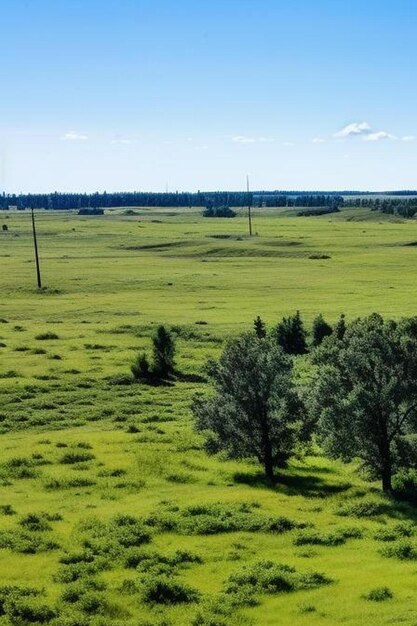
(138, 501)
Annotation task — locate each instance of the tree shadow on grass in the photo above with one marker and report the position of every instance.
(307, 485)
(183, 377)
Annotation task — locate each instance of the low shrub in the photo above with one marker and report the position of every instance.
(215, 518)
(399, 531)
(26, 542)
(268, 577)
(403, 550)
(164, 590)
(141, 368)
(20, 468)
(69, 458)
(364, 508)
(334, 538)
(404, 485)
(46, 336)
(35, 523)
(9, 374)
(71, 483)
(129, 531)
(28, 610)
(379, 594)
(7, 509)
(7, 592)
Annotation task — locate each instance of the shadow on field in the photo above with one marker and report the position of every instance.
(294, 484)
(183, 377)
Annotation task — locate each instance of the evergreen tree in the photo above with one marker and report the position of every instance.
(291, 335)
(321, 329)
(163, 353)
(259, 327)
(340, 327)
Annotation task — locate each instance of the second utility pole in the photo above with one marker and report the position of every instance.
(249, 207)
(35, 245)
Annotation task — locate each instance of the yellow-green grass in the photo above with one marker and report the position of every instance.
(109, 281)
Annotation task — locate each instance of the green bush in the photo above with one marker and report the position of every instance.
(379, 594)
(26, 542)
(403, 550)
(28, 610)
(404, 484)
(69, 458)
(46, 336)
(20, 468)
(218, 211)
(335, 538)
(268, 577)
(364, 508)
(399, 531)
(164, 590)
(7, 509)
(219, 517)
(141, 368)
(35, 523)
(8, 592)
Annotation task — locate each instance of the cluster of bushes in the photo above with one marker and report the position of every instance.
(218, 211)
(334, 538)
(215, 518)
(360, 398)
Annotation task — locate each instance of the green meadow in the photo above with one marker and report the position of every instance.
(105, 488)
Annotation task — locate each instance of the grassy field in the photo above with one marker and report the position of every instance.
(105, 488)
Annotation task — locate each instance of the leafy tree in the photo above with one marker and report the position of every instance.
(365, 395)
(291, 335)
(340, 327)
(163, 353)
(321, 329)
(259, 327)
(255, 410)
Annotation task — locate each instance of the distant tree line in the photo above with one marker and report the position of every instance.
(66, 201)
(303, 200)
(404, 207)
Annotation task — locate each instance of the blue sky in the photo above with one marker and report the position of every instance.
(188, 94)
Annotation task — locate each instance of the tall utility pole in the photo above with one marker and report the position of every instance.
(249, 207)
(35, 245)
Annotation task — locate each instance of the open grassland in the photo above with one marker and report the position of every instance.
(105, 488)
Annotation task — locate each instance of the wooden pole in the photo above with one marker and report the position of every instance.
(249, 207)
(35, 245)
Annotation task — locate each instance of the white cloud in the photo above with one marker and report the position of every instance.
(378, 136)
(409, 138)
(356, 128)
(243, 139)
(73, 136)
(319, 140)
(266, 139)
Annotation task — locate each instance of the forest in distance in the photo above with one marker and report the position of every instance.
(402, 203)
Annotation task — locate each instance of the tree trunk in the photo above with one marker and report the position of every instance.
(386, 477)
(268, 464)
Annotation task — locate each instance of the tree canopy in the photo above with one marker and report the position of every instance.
(254, 411)
(365, 395)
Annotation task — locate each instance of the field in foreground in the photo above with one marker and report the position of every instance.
(80, 451)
